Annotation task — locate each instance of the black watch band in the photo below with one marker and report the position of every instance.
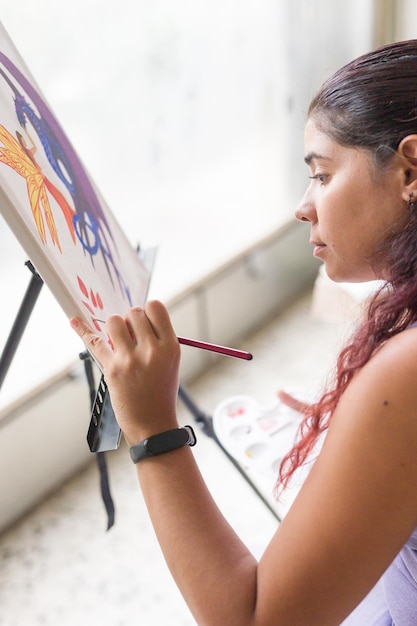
(163, 442)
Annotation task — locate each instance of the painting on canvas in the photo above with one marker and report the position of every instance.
(54, 209)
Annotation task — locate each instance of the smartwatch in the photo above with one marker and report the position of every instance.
(163, 442)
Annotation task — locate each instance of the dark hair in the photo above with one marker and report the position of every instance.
(370, 103)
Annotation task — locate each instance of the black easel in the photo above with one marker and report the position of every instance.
(20, 323)
(9, 351)
(100, 456)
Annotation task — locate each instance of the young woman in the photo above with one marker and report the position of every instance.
(354, 520)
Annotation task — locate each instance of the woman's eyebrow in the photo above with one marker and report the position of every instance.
(314, 156)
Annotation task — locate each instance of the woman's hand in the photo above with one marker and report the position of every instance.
(141, 368)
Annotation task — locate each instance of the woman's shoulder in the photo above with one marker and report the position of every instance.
(386, 386)
(396, 359)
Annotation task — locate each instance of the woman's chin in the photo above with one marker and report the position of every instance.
(342, 276)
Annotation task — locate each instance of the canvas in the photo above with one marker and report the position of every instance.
(54, 209)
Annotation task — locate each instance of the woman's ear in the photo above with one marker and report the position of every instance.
(407, 151)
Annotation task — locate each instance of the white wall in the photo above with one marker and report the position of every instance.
(321, 36)
(406, 22)
(173, 106)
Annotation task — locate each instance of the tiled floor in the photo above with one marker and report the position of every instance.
(59, 567)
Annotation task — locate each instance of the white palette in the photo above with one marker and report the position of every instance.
(257, 436)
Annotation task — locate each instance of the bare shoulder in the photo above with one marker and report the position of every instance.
(377, 415)
(400, 349)
(386, 386)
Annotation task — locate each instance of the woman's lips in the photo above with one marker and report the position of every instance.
(318, 247)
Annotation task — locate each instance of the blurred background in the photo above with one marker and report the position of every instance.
(189, 117)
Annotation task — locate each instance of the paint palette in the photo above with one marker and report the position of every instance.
(257, 436)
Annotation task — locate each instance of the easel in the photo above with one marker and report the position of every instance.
(23, 315)
(104, 433)
(21, 320)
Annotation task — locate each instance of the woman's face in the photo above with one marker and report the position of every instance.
(350, 206)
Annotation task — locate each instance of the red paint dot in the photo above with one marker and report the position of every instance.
(93, 298)
(82, 287)
(89, 308)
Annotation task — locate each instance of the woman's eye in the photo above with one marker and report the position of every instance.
(320, 177)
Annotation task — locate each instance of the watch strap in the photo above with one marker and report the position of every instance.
(163, 442)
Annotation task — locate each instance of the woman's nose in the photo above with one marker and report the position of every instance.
(305, 212)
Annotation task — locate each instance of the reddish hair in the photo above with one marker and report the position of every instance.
(369, 103)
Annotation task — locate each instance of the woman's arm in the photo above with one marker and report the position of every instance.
(354, 513)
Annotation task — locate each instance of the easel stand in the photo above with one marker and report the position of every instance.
(9, 351)
(20, 323)
(100, 456)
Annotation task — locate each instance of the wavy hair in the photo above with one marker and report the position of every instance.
(369, 103)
